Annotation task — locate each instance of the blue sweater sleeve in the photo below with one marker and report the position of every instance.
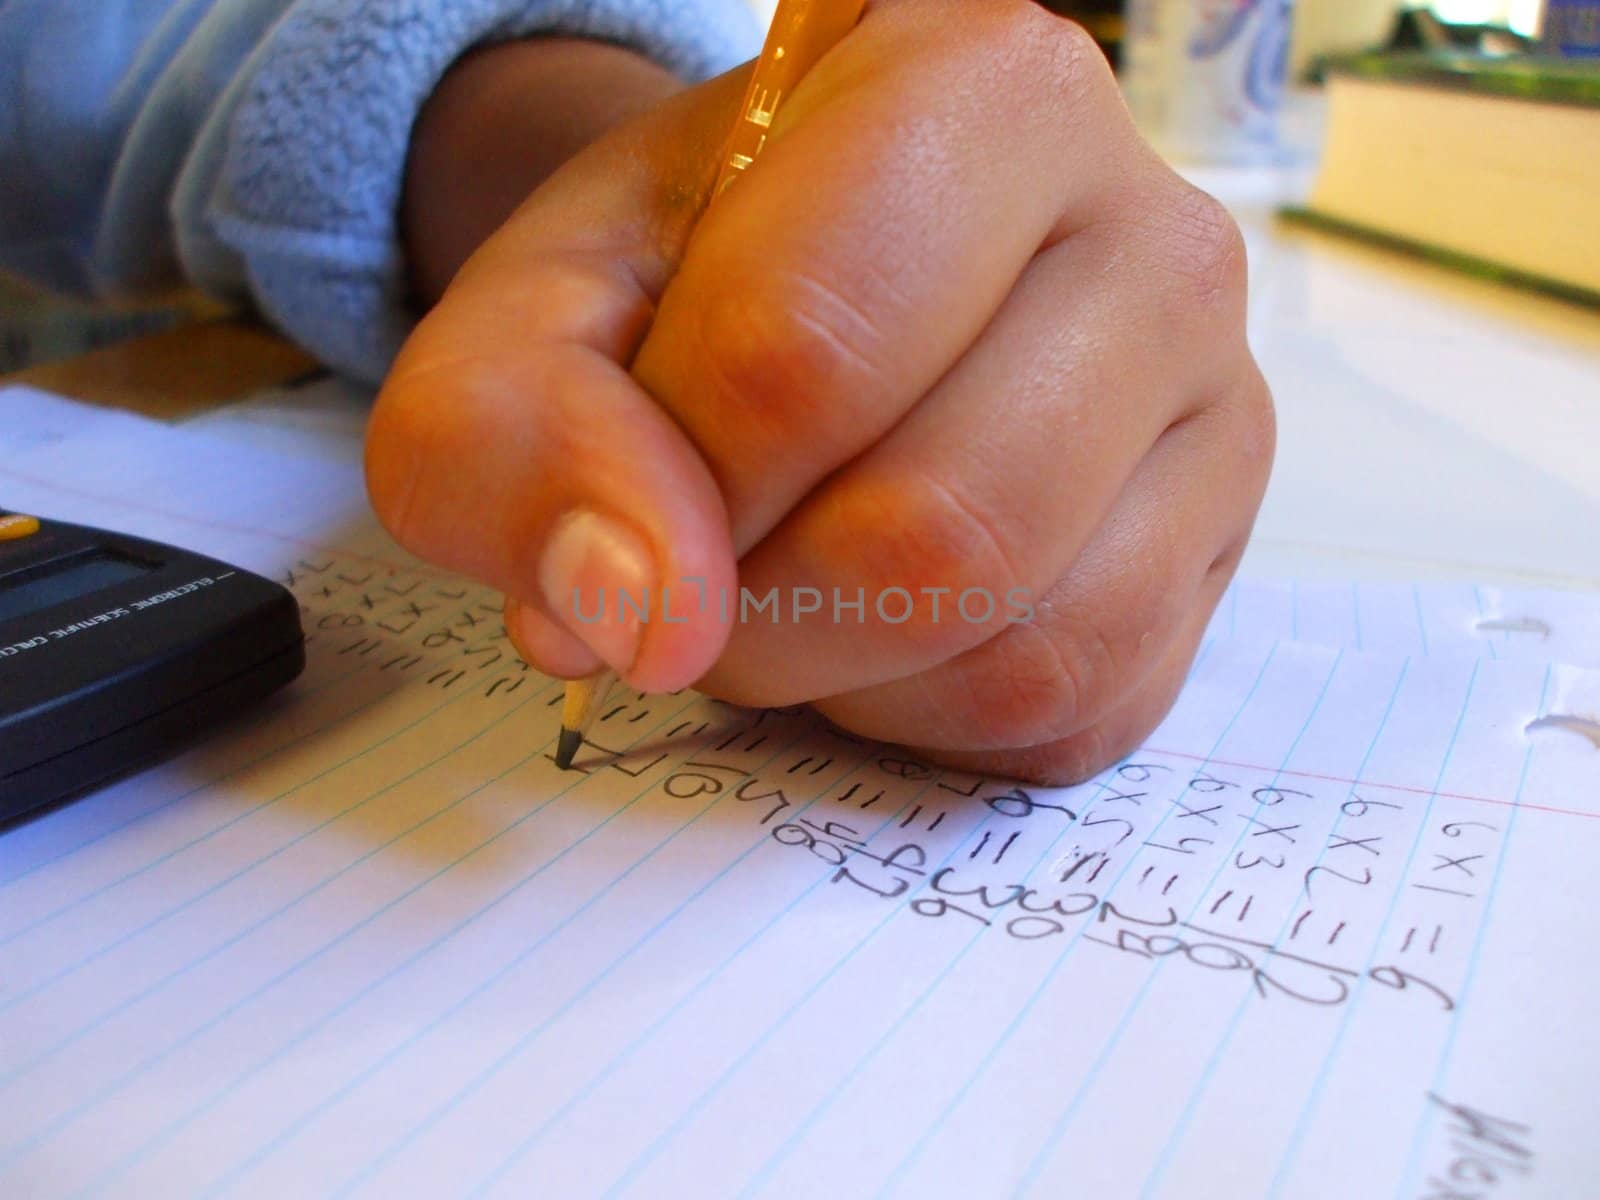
(257, 146)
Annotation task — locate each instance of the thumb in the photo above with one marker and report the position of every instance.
(552, 476)
(510, 443)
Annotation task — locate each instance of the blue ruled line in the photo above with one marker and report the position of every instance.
(170, 854)
(1314, 1095)
(262, 1153)
(1042, 1157)
(1019, 1019)
(129, 1076)
(644, 1037)
(1181, 1126)
(1477, 600)
(693, 1109)
(1422, 625)
(301, 693)
(1419, 1138)
(764, 1173)
(158, 985)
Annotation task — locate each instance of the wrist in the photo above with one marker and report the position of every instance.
(498, 124)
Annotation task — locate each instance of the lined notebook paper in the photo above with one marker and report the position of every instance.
(30, 419)
(1415, 620)
(1324, 935)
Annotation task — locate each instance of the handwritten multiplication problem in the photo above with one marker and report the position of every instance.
(1283, 881)
(1233, 873)
(446, 632)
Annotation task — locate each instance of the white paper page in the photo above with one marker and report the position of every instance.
(327, 415)
(255, 505)
(370, 941)
(1425, 620)
(30, 419)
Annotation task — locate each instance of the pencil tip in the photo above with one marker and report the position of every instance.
(567, 747)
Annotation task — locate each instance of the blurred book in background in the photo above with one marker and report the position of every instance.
(1489, 164)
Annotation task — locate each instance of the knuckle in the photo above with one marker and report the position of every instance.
(1071, 55)
(1056, 50)
(1079, 756)
(921, 535)
(1217, 249)
(779, 343)
(1022, 696)
(1087, 669)
(1243, 422)
(1259, 440)
(1044, 682)
(1204, 253)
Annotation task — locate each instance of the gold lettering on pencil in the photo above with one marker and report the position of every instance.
(761, 110)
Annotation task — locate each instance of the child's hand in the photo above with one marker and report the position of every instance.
(958, 329)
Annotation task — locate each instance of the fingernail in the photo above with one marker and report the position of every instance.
(597, 575)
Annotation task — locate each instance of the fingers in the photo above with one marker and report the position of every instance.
(870, 394)
(1143, 589)
(510, 444)
(994, 485)
(902, 193)
(1081, 754)
(553, 478)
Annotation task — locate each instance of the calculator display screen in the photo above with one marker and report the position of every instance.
(54, 583)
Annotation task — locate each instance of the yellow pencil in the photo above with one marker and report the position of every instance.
(802, 32)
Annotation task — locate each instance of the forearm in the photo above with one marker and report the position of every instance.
(499, 123)
(260, 147)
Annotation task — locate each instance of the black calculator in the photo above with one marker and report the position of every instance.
(115, 651)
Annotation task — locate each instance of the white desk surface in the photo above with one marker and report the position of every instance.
(1431, 425)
